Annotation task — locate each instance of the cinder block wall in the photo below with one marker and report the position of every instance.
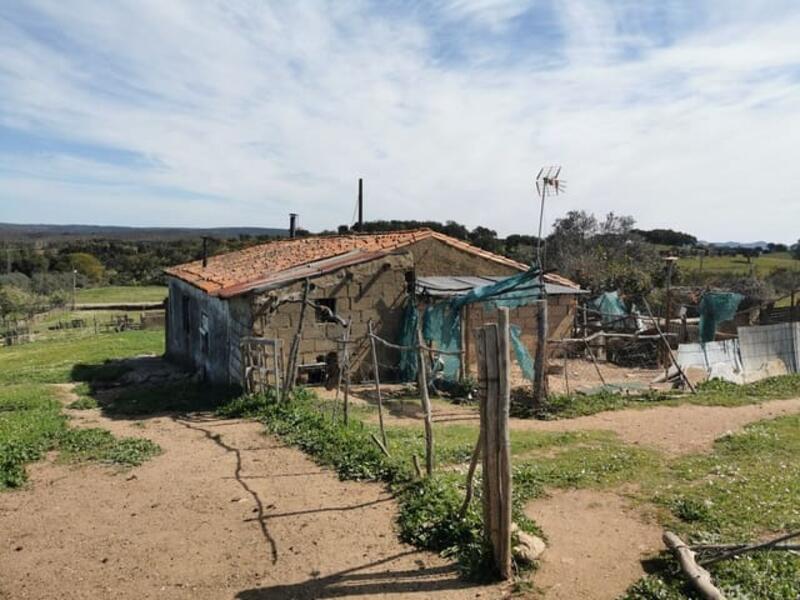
(433, 257)
(373, 291)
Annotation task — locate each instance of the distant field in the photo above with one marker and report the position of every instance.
(763, 265)
(117, 293)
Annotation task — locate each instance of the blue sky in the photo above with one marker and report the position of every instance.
(684, 114)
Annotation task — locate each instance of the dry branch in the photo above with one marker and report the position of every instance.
(751, 548)
(697, 575)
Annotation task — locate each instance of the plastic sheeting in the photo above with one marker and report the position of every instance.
(441, 322)
(611, 308)
(716, 308)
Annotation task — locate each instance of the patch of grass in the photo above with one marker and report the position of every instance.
(100, 445)
(745, 489)
(31, 423)
(119, 294)
(710, 393)
(52, 361)
(761, 575)
(83, 403)
(747, 486)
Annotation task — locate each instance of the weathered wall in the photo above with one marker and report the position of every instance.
(433, 257)
(372, 291)
(190, 311)
(561, 311)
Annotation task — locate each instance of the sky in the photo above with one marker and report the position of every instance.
(682, 113)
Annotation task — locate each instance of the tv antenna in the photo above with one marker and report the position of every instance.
(547, 184)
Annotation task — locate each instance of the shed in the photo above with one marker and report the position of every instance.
(362, 277)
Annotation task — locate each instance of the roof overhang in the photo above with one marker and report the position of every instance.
(306, 271)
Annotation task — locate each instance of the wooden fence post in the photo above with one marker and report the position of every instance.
(494, 361)
(540, 366)
(377, 381)
(422, 379)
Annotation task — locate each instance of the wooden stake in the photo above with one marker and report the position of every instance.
(697, 575)
(540, 367)
(377, 381)
(503, 557)
(426, 401)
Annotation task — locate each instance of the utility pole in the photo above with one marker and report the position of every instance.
(8, 258)
(74, 285)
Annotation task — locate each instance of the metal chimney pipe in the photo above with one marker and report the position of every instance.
(293, 224)
(205, 252)
(360, 204)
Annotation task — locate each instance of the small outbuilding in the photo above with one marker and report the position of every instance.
(217, 308)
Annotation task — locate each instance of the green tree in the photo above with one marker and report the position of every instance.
(88, 266)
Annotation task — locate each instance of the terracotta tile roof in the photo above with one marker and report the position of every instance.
(235, 270)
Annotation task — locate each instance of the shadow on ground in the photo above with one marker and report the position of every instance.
(147, 386)
(352, 582)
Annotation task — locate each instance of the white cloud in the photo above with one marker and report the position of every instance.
(266, 108)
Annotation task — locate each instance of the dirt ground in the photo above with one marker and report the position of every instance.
(223, 512)
(596, 543)
(674, 430)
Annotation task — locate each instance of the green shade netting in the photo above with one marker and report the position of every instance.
(611, 308)
(716, 308)
(441, 323)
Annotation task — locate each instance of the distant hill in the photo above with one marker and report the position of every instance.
(737, 244)
(14, 231)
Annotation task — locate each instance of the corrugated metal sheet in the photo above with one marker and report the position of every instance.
(450, 286)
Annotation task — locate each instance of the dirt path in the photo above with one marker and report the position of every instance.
(224, 512)
(674, 430)
(595, 545)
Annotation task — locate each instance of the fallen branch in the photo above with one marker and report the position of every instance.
(417, 468)
(724, 547)
(473, 464)
(751, 548)
(697, 575)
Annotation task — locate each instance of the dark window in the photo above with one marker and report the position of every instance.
(185, 314)
(323, 316)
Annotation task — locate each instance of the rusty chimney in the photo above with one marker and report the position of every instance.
(293, 224)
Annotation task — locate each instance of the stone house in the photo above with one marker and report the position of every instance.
(361, 277)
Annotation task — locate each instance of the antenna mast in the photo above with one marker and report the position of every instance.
(547, 184)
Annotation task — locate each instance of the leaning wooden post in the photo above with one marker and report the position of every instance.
(291, 372)
(377, 381)
(422, 379)
(346, 367)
